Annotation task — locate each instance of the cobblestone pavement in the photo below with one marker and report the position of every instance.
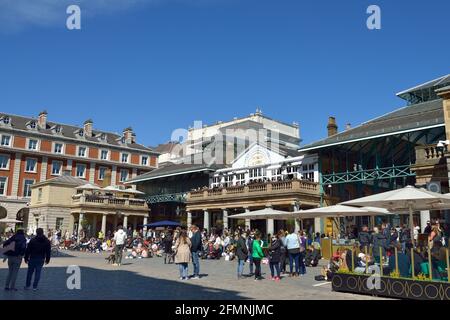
(152, 279)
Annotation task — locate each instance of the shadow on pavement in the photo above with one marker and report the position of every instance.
(97, 284)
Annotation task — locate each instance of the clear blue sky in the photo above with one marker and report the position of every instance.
(160, 65)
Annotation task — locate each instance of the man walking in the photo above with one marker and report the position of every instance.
(196, 249)
(36, 254)
(119, 239)
(242, 254)
(14, 258)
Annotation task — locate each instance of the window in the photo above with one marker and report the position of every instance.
(124, 158)
(33, 125)
(6, 140)
(32, 144)
(311, 167)
(101, 173)
(58, 148)
(82, 152)
(27, 187)
(144, 160)
(39, 194)
(81, 133)
(3, 186)
(56, 168)
(80, 170)
(57, 129)
(240, 178)
(59, 223)
(123, 175)
(104, 155)
(6, 120)
(30, 165)
(228, 180)
(4, 161)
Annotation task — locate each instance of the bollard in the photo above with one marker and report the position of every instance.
(413, 274)
(353, 260)
(381, 262)
(396, 260)
(367, 262)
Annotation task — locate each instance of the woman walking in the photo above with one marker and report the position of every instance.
(257, 255)
(301, 259)
(183, 254)
(242, 254)
(274, 258)
(14, 258)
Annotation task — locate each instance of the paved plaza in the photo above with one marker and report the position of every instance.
(151, 279)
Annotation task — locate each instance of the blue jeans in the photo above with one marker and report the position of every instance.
(34, 266)
(274, 266)
(294, 258)
(183, 270)
(240, 267)
(196, 263)
(250, 258)
(301, 262)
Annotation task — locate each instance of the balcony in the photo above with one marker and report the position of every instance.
(276, 192)
(430, 154)
(107, 202)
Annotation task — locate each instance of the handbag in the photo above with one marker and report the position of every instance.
(10, 248)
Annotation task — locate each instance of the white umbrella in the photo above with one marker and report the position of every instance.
(340, 210)
(267, 213)
(88, 186)
(408, 199)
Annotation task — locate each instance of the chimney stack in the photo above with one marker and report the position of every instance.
(332, 126)
(88, 128)
(42, 119)
(348, 126)
(128, 135)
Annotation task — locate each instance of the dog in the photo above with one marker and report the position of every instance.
(111, 259)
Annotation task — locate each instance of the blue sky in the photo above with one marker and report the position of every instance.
(158, 65)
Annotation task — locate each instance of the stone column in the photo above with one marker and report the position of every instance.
(80, 227)
(270, 226)
(94, 224)
(296, 207)
(424, 217)
(16, 175)
(44, 168)
(92, 172)
(247, 221)
(125, 222)
(104, 224)
(206, 220)
(115, 221)
(189, 219)
(145, 228)
(225, 218)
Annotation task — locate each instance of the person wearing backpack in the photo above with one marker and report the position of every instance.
(14, 258)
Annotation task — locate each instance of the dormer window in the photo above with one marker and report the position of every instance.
(81, 133)
(122, 140)
(32, 125)
(57, 129)
(102, 136)
(6, 120)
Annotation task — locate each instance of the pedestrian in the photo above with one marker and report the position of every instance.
(302, 248)
(364, 239)
(36, 254)
(196, 250)
(257, 254)
(292, 244)
(283, 251)
(183, 254)
(274, 258)
(120, 238)
(14, 258)
(242, 254)
(250, 251)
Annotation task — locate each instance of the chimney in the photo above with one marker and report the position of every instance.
(42, 119)
(128, 135)
(88, 128)
(332, 126)
(348, 126)
(444, 93)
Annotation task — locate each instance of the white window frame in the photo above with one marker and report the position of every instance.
(148, 160)
(86, 151)
(37, 144)
(99, 171)
(60, 168)
(5, 189)
(24, 185)
(8, 162)
(62, 147)
(107, 154)
(128, 175)
(76, 170)
(35, 165)
(121, 157)
(10, 140)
